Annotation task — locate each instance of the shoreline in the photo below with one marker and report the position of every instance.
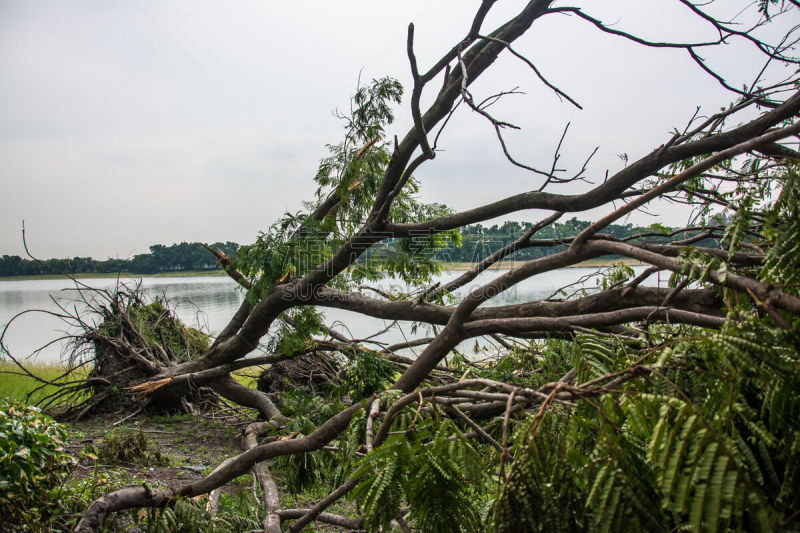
(121, 275)
(456, 266)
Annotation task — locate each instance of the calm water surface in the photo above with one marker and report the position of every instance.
(209, 302)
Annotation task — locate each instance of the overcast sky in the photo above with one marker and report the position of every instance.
(129, 123)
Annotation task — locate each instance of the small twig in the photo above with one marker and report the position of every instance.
(121, 420)
(504, 451)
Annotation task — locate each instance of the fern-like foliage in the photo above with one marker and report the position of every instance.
(707, 476)
(187, 517)
(433, 469)
(708, 442)
(783, 232)
(297, 472)
(544, 490)
(582, 472)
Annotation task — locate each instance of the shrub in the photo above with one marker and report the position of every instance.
(32, 463)
(129, 447)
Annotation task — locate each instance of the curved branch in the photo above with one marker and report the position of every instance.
(612, 188)
(653, 44)
(511, 326)
(119, 500)
(740, 283)
(693, 171)
(696, 300)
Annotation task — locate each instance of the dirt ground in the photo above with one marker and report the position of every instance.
(191, 444)
(188, 447)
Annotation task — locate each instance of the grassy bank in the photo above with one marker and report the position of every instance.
(14, 384)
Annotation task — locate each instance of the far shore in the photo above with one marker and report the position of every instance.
(121, 275)
(591, 263)
(502, 265)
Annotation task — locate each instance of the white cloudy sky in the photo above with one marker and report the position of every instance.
(128, 123)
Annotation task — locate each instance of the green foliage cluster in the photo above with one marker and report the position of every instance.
(294, 335)
(782, 227)
(429, 465)
(352, 172)
(305, 412)
(37, 493)
(33, 464)
(130, 447)
(364, 374)
(709, 440)
(348, 181)
(156, 325)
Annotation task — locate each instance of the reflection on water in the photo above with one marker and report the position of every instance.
(209, 302)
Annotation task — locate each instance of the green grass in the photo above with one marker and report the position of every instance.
(248, 376)
(15, 386)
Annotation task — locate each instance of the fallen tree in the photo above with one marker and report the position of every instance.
(646, 383)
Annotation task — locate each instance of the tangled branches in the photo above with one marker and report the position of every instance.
(699, 376)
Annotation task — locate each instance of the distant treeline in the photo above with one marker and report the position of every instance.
(477, 242)
(174, 258)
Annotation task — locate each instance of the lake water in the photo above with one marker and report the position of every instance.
(209, 302)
